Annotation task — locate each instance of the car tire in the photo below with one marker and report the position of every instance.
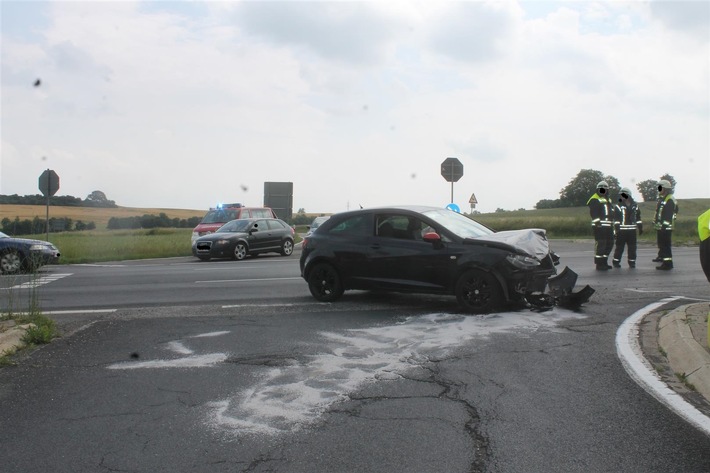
(324, 283)
(240, 251)
(11, 262)
(287, 248)
(478, 292)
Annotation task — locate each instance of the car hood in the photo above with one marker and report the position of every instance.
(532, 241)
(222, 236)
(26, 241)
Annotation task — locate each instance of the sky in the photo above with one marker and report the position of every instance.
(186, 104)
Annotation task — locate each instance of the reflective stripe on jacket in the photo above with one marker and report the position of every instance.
(666, 211)
(600, 211)
(627, 217)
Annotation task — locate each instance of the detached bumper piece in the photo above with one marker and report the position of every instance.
(562, 286)
(561, 293)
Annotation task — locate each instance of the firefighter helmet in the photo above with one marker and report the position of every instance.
(664, 184)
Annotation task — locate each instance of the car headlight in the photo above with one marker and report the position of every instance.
(523, 262)
(37, 247)
(221, 242)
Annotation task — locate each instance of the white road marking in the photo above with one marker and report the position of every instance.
(40, 281)
(196, 361)
(92, 311)
(645, 291)
(179, 347)
(641, 371)
(245, 280)
(295, 304)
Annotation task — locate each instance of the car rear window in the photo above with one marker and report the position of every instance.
(261, 213)
(276, 225)
(358, 225)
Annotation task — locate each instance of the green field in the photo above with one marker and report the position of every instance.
(116, 245)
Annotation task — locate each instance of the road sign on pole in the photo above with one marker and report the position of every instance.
(452, 170)
(473, 201)
(49, 185)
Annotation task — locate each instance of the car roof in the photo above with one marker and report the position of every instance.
(392, 208)
(253, 219)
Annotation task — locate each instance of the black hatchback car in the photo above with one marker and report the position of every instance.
(18, 254)
(240, 238)
(426, 250)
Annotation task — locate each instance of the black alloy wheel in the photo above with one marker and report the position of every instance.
(478, 292)
(324, 283)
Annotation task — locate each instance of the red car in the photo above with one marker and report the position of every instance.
(223, 213)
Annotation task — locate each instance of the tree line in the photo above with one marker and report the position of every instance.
(584, 184)
(94, 199)
(64, 224)
(151, 221)
(39, 225)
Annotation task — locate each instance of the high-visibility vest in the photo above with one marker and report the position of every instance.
(600, 211)
(704, 227)
(666, 211)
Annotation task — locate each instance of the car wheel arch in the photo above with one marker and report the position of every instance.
(501, 280)
(315, 262)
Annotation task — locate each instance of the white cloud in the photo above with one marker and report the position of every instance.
(179, 104)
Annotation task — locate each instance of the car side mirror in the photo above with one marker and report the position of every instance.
(432, 237)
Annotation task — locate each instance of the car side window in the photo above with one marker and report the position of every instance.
(403, 227)
(260, 226)
(275, 225)
(358, 225)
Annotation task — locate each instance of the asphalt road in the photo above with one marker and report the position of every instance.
(178, 365)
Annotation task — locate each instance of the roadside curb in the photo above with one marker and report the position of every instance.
(682, 335)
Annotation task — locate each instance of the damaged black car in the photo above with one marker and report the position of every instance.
(421, 249)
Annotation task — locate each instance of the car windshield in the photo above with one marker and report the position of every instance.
(458, 224)
(219, 215)
(2, 235)
(235, 226)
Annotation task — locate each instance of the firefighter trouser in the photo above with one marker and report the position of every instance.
(603, 243)
(663, 239)
(625, 238)
(705, 257)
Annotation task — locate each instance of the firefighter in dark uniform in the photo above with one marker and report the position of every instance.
(627, 219)
(704, 234)
(600, 210)
(666, 211)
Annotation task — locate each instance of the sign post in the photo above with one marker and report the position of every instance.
(452, 170)
(48, 185)
(473, 201)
